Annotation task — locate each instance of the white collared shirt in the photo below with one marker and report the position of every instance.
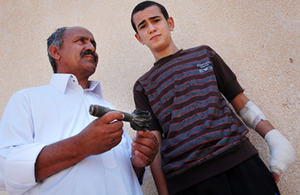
(38, 116)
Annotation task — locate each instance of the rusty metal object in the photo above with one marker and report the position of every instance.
(139, 119)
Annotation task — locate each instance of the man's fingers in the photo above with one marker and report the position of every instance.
(146, 134)
(140, 160)
(144, 150)
(146, 138)
(145, 147)
(111, 117)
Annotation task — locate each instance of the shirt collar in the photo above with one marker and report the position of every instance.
(65, 81)
(168, 58)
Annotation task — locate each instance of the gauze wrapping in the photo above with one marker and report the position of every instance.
(251, 114)
(281, 151)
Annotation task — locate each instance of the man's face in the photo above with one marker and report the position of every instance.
(78, 53)
(153, 29)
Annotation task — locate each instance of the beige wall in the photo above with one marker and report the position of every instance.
(259, 40)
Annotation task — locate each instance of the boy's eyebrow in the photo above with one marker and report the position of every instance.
(151, 18)
(141, 23)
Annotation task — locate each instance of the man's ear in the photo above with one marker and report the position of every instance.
(171, 23)
(54, 52)
(137, 36)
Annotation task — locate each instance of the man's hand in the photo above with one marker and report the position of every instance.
(99, 136)
(102, 134)
(144, 149)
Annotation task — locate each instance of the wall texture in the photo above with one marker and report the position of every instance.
(258, 39)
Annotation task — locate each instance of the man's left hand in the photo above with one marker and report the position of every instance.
(144, 149)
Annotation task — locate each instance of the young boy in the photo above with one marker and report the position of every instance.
(203, 144)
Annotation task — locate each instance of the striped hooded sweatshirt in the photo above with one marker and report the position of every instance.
(202, 136)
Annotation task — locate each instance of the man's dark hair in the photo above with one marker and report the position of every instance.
(56, 40)
(143, 5)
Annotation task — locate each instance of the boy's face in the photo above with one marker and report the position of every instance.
(153, 29)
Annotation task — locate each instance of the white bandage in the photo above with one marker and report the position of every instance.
(251, 114)
(281, 150)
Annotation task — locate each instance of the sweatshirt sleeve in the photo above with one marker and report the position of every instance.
(227, 80)
(142, 102)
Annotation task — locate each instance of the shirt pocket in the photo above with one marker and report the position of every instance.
(122, 150)
(108, 159)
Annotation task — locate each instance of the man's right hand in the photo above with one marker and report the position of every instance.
(102, 134)
(98, 137)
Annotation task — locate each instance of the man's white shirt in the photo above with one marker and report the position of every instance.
(39, 116)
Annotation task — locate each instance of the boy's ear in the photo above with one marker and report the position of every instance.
(54, 52)
(171, 23)
(137, 36)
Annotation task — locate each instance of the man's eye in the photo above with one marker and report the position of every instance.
(80, 40)
(94, 43)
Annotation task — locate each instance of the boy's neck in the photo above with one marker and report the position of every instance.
(166, 52)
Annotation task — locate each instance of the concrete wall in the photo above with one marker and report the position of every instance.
(258, 39)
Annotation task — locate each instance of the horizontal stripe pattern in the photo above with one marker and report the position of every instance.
(197, 123)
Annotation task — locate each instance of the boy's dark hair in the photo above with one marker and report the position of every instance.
(143, 5)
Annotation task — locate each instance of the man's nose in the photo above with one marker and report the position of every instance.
(90, 46)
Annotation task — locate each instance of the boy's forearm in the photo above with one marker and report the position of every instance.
(281, 150)
(159, 177)
(263, 127)
(156, 169)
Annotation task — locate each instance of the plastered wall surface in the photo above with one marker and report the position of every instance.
(259, 40)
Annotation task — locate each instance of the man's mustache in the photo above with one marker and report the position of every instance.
(88, 52)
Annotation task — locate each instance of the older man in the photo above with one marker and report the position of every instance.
(50, 144)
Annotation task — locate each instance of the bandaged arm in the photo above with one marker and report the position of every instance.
(281, 150)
